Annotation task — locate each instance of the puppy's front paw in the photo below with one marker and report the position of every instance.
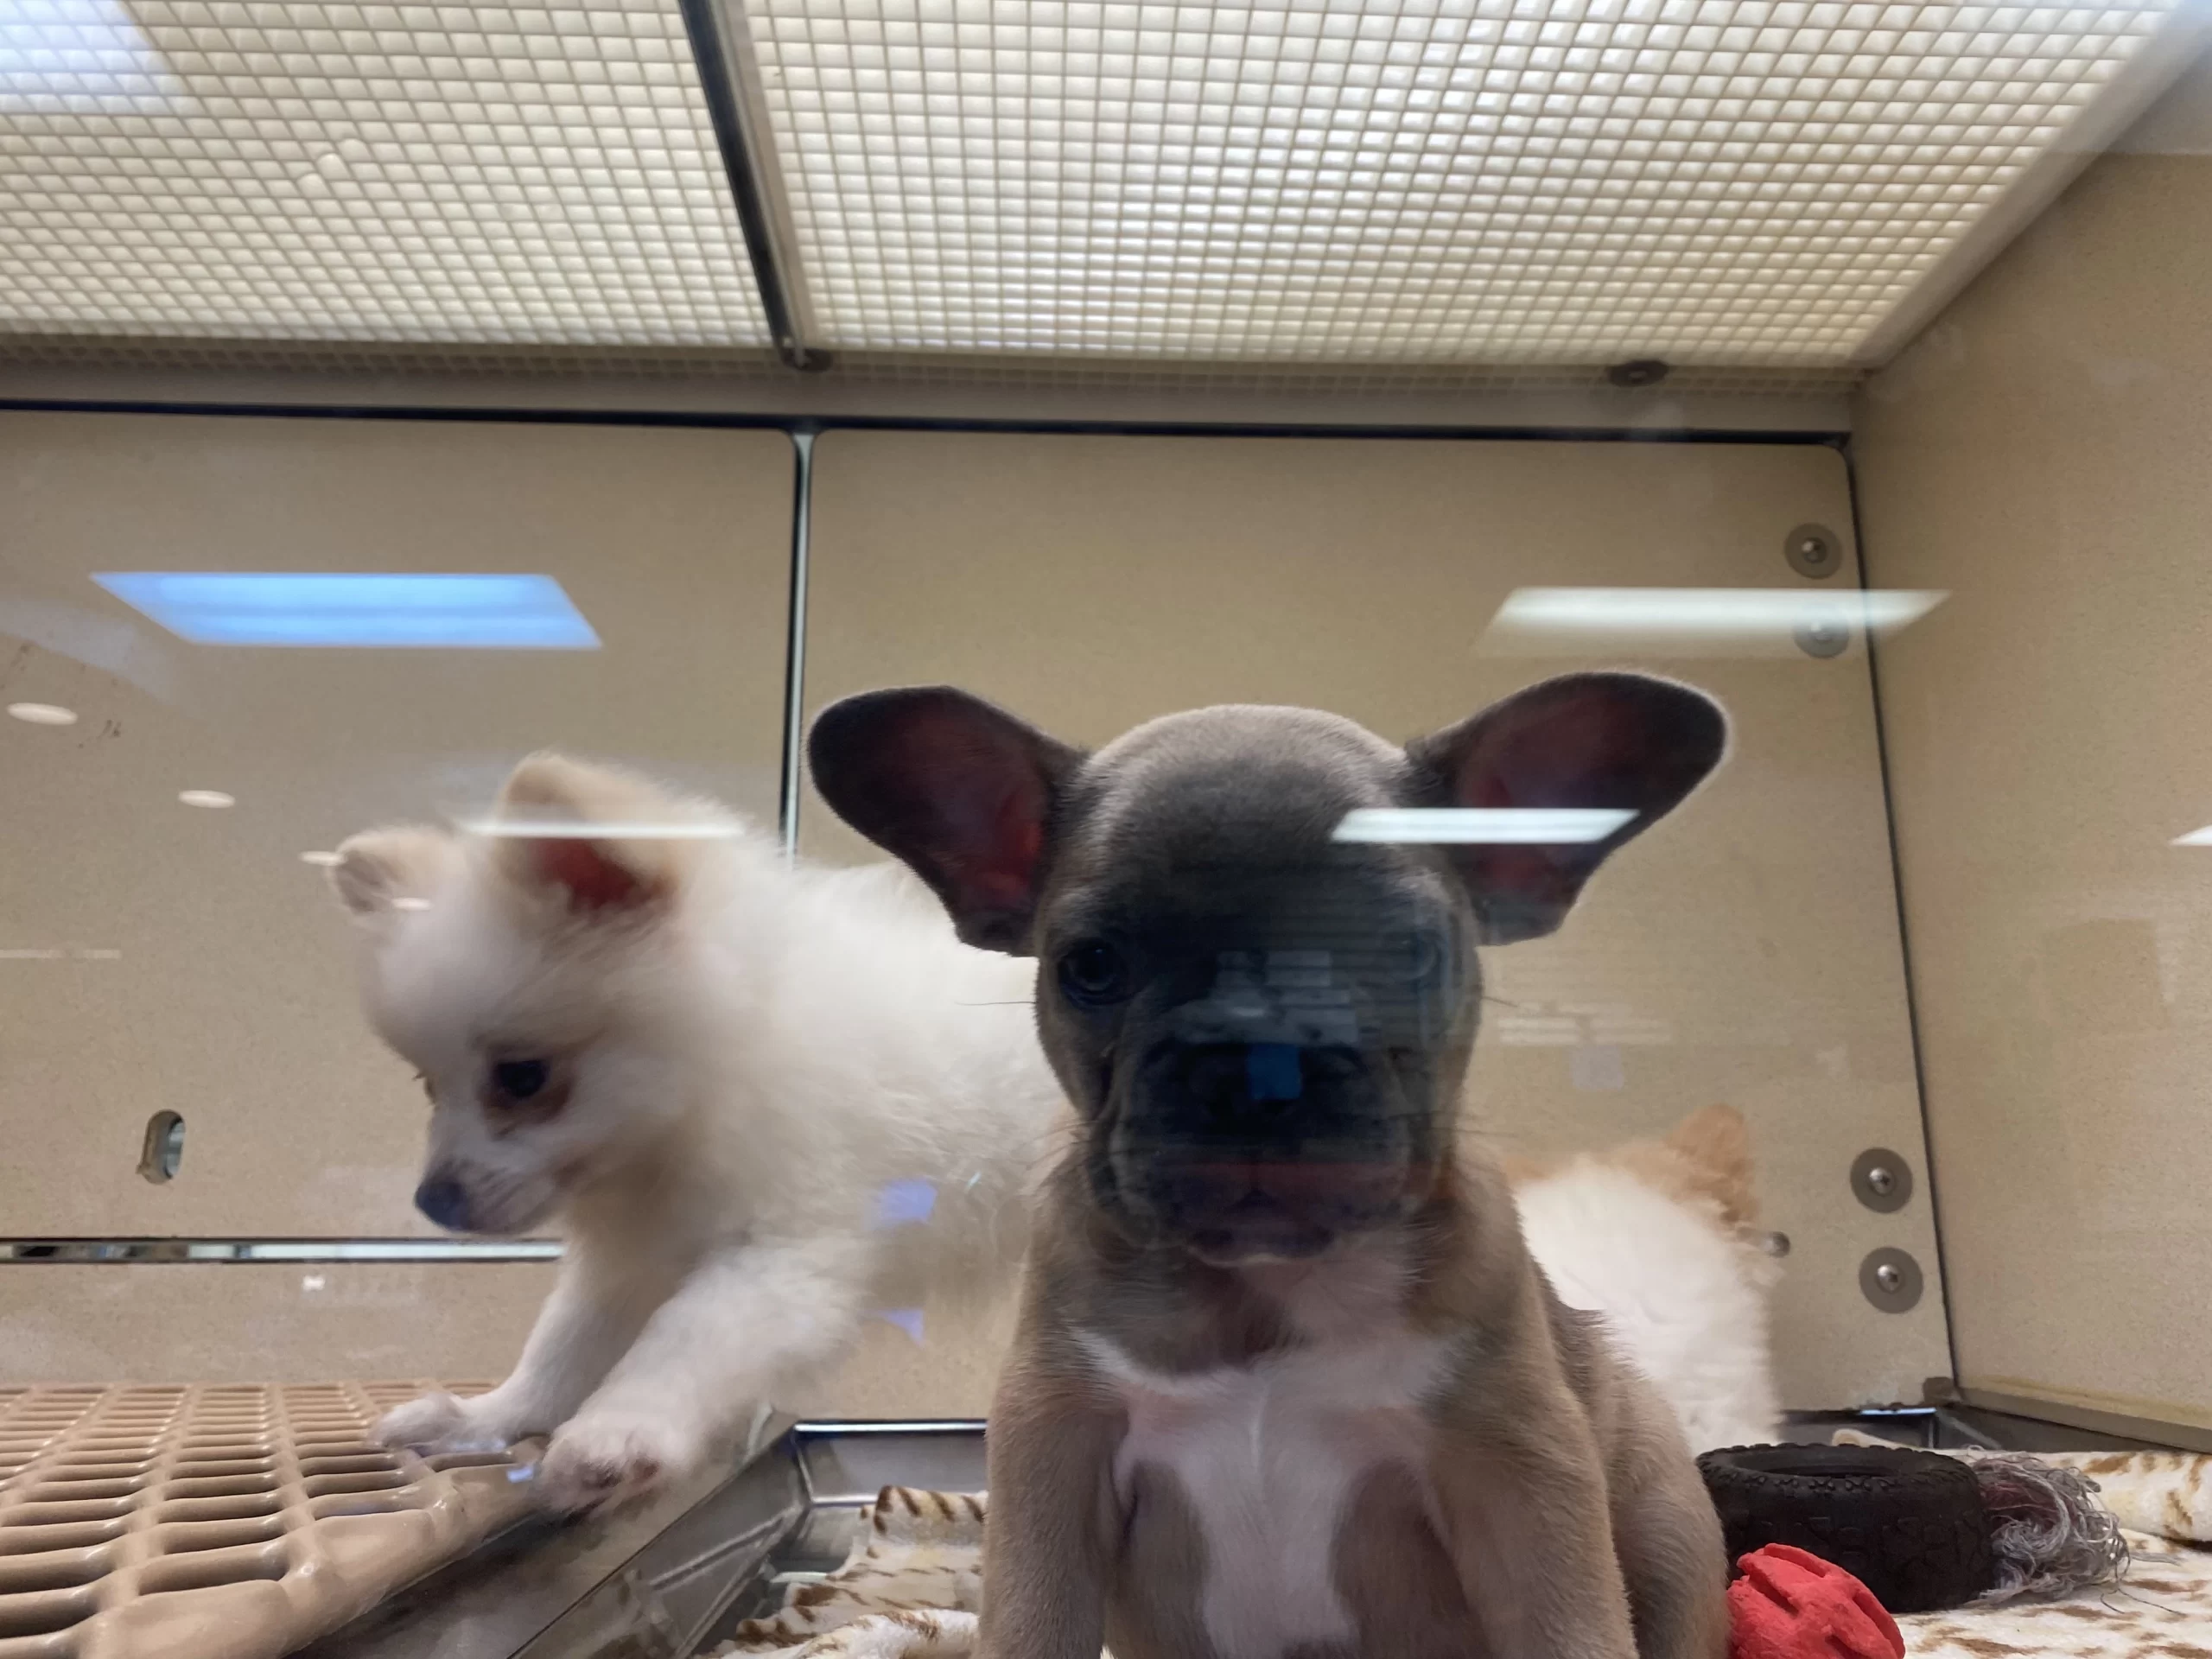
(603, 1459)
(443, 1423)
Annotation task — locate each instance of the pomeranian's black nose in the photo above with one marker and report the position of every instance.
(444, 1201)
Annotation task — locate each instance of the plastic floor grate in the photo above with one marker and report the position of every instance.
(233, 1521)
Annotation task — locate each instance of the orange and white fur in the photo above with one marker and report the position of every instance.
(1660, 1236)
(736, 1059)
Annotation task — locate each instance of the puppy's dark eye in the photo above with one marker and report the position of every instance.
(520, 1079)
(1093, 972)
(1423, 955)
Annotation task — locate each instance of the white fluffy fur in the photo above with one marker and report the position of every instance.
(756, 1053)
(1684, 1295)
(752, 1053)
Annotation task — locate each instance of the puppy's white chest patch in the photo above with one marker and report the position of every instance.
(1268, 1456)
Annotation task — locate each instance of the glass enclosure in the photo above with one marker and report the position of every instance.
(521, 425)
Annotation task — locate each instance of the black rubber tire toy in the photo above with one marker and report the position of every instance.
(1908, 1525)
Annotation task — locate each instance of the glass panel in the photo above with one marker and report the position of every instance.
(1091, 583)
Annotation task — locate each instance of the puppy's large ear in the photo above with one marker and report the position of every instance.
(547, 813)
(1627, 742)
(382, 872)
(960, 790)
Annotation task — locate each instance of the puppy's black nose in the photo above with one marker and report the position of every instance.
(444, 1201)
(1245, 1087)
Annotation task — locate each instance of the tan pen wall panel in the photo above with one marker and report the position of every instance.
(283, 1323)
(2039, 452)
(236, 1322)
(1746, 951)
(155, 956)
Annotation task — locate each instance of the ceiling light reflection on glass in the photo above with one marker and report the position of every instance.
(421, 612)
(1541, 826)
(604, 830)
(79, 56)
(1692, 621)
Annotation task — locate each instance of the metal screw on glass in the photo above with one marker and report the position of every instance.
(1639, 371)
(1823, 637)
(1891, 1280)
(1813, 551)
(1881, 1180)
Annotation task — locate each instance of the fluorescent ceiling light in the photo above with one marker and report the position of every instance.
(1481, 826)
(2194, 838)
(1707, 181)
(1691, 621)
(421, 174)
(43, 714)
(1358, 183)
(213, 799)
(487, 612)
(79, 56)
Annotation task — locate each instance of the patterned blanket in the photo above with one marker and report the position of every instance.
(911, 1585)
(2165, 1493)
(909, 1589)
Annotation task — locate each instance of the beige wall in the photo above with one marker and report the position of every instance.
(2042, 453)
(1746, 951)
(309, 1322)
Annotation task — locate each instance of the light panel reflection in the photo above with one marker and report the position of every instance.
(310, 609)
(79, 56)
(601, 830)
(1692, 621)
(1481, 826)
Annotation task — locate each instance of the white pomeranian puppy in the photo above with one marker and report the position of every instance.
(739, 1080)
(734, 1079)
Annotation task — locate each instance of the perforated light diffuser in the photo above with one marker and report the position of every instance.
(332, 172)
(1702, 180)
(1358, 187)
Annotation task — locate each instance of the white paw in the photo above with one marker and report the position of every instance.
(601, 1460)
(444, 1422)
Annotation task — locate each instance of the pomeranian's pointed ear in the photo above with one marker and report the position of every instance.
(957, 787)
(380, 872)
(1624, 743)
(545, 840)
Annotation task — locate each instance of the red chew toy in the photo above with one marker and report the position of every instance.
(1792, 1605)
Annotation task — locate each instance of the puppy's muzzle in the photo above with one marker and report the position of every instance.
(445, 1201)
(1270, 1149)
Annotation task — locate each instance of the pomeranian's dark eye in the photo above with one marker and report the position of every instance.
(1093, 972)
(519, 1079)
